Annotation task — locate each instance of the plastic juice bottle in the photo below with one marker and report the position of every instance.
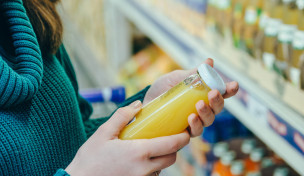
(222, 167)
(297, 48)
(211, 8)
(237, 168)
(251, 20)
(253, 163)
(265, 15)
(168, 114)
(238, 22)
(285, 36)
(225, 16)
(270, 33)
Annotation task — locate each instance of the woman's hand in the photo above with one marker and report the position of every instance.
(105, 154)
(206, 113)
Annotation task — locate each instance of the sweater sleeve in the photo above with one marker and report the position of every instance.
(85, 107)
(91, 125)
(61, 172)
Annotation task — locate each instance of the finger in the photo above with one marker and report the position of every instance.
(121, 118)
(209, 61)
(165, 145)
(195, 125)
(231, 89)
(205, 113)
(162, 162)
(216, 101)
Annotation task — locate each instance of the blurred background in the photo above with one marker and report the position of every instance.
(118, 47)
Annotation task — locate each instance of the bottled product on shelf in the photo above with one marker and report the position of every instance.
(297, 58)
(251, 21)
(285, 36)
(265, 15)
(238, 20)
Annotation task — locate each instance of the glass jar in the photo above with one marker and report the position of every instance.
(168, 114)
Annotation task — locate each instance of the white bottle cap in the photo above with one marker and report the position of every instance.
(212, 78)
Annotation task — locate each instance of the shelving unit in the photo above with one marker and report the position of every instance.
(274, 122)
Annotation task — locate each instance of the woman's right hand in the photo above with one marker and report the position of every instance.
(104, 154)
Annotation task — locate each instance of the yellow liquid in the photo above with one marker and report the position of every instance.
(167, 114)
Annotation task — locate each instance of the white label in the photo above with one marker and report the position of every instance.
(257, 109)
(268, 60)
(272, 28)
(298, 40)
(295, 76)
(107, 94)
(286, 33)
(263, 20)
(251, 16)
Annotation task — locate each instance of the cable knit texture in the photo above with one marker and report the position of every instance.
(43, 120)
(21, 82)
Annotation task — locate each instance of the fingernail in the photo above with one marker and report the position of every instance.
(136, 104)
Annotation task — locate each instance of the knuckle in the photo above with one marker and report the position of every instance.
(122, 111)
(209, 120)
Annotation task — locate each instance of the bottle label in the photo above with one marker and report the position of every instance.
(298, 40)
(272, 28)
(268, 59)
(251, 15)
(295, 74)
(263, 20)
(286, 33)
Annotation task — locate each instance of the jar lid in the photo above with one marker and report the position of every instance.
(212, 78)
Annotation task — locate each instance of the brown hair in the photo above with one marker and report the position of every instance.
(46, 23)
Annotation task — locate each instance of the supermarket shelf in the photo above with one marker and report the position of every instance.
(254, 113)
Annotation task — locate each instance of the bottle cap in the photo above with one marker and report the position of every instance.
(212, 78)
(237, 167)
(257, 154)
(220, 148)
(227, 158)
(281, 171)
(248, 145)
(267, 162)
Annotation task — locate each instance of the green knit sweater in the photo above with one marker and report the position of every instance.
(43, 119)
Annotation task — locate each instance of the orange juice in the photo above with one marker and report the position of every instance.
(168, 114)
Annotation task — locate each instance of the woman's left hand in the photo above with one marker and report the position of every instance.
(206, 113)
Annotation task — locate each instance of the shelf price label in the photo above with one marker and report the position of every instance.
(257, 109)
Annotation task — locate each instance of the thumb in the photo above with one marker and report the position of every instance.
(121, 118)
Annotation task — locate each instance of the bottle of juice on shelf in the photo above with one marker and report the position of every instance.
(297, 48)
(265, 15)
(222, 167)
(225, 16)
(211, 13)
(285, 36)
(238, 20)
(253, 163)
(270, 34)
(237, 168)
(168, 114)
(251, 19)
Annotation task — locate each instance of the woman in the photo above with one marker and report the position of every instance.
(44, 122)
